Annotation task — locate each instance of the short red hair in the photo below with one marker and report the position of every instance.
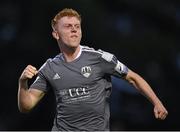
(65, 12)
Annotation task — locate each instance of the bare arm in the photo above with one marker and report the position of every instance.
(138, 82)
(28, 98)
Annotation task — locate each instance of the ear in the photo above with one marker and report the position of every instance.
(55, 35)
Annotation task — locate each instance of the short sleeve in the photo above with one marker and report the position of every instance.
(41, 82)
(111, 65)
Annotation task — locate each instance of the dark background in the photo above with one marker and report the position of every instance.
(143, 34)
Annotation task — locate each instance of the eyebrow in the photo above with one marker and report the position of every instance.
(71, 24)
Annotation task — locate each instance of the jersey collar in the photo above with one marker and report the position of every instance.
(78, 55)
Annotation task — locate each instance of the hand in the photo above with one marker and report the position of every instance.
(28, 73)
(160, 111)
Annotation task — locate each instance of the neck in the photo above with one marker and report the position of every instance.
(70, 54)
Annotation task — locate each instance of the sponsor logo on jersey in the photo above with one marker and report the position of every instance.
(86, 71)
(56, 76)
(75, 94)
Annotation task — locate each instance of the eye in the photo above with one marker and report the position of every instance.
(67, 26)
(77, 26)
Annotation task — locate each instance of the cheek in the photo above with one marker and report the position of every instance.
(80, 33)
(63, 35)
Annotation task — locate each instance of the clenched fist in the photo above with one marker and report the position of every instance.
(160, 111)
(28, 73)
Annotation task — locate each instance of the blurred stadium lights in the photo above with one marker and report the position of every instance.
(178, 61)
(178, 15)
(8, 32)
(124, 25)
(9, 20)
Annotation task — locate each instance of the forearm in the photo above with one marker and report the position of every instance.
(24, 98)
(139, 83)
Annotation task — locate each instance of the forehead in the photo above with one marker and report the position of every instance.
(69, 20)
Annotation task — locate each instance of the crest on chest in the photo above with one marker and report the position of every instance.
(86, 71)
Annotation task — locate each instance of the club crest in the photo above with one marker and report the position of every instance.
(86, 71)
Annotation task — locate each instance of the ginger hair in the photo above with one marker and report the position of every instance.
(65, 12)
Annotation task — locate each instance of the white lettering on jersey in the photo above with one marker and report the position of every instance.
(75, 94)
(78, 92)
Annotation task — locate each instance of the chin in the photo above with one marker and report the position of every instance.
(74, 45)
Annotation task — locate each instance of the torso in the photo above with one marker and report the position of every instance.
(81, 91)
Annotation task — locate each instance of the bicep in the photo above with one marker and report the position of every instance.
(136, 80)
(36, 95)
(131, 77)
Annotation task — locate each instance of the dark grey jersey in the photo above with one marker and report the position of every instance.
(82, 88)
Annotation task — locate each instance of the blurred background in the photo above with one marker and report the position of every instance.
(143, 34)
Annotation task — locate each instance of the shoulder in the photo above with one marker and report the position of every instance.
(49, 62)
(90, 50)
(104, 55)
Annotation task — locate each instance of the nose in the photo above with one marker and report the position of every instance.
(73, 29)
